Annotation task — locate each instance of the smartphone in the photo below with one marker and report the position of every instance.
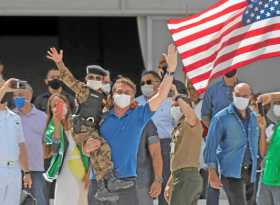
(18, 84)
(59, 107)
(261, 109)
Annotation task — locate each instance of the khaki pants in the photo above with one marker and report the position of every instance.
(187, 186)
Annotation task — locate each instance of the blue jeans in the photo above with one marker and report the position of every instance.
(38, 189)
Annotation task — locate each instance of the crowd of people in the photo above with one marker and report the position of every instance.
(97, 143)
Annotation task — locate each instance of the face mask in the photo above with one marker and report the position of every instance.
(94, 84)
(19, 102)
(122, 100)
(106, 88)
(147, 90)
(230, 74)
(276, 110)
(176, 113)
(240, 102)
(55, 84)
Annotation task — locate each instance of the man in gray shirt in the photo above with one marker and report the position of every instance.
(149, 166)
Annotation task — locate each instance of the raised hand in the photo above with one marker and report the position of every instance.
(54, 55)
(171, 58)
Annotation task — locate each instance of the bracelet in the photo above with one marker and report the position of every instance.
(26, 173)
(158, 179)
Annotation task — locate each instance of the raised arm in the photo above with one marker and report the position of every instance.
(171, 59)
(268, 97)
(188, 112)
(67, 77)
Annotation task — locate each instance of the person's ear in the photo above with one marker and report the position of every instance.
(46, 82)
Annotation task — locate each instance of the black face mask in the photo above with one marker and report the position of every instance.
(55, 84)
(230, 74)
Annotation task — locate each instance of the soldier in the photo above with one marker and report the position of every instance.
(86, 120)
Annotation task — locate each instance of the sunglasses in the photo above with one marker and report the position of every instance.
(92, 77)
(147, 82)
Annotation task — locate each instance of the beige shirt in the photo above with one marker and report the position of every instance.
(185, 146)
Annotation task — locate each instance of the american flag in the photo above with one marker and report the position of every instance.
(228, 35)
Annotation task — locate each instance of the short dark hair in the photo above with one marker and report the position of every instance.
(151, 72)
(52, 69)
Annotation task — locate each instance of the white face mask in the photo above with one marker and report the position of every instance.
(240, 102)
(147, 90)
(176, 113)
(276, 110)
(94, 84)
(106, 87)
(122, 100)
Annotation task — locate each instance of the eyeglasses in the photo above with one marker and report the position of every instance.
(148, 82)
(92, 77)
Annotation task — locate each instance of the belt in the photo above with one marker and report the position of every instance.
(8, 163)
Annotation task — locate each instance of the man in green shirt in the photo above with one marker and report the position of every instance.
(269, 192)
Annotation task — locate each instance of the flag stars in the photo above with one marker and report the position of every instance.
(268, 14)
(262, 11)
(276, 3)
(266, 6)
(252, 14)
(258, 17)
(278, 12)
(272, 9)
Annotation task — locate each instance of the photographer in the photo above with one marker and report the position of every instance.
(13, 151)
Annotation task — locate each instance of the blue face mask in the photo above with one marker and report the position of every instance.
(19, 102)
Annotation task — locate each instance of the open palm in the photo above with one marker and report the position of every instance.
(54, 55)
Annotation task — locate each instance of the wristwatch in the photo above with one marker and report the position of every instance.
(26, 172)
(158, 179)
(183, 97)
(169, 73)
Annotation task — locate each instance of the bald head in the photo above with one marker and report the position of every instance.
(243, 90)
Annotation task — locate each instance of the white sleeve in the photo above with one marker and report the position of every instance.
(19, 132)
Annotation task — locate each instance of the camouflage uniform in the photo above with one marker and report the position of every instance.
(101, 158)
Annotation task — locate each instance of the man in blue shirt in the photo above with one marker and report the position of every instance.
(217, 97)
(122, 127)
(235, 130)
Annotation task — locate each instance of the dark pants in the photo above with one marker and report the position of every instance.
(240, 191)
(213, 195)
(127, 197)
(165, 151)
(187, 186)
(39, 187)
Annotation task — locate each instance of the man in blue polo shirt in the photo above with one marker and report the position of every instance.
(123, 125)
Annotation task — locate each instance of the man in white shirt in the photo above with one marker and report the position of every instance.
(13, 153)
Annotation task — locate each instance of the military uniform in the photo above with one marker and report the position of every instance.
(10, 173)
(88, 120)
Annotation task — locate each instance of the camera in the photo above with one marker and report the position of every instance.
(18, 84)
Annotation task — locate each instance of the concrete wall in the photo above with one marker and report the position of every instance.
(101, 7)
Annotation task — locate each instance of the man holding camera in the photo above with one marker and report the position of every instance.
(13, 152)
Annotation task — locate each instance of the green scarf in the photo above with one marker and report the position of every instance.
(57, 159)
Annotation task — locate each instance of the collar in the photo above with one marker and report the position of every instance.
(233, 110)
(112, 113)
(33, 111)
